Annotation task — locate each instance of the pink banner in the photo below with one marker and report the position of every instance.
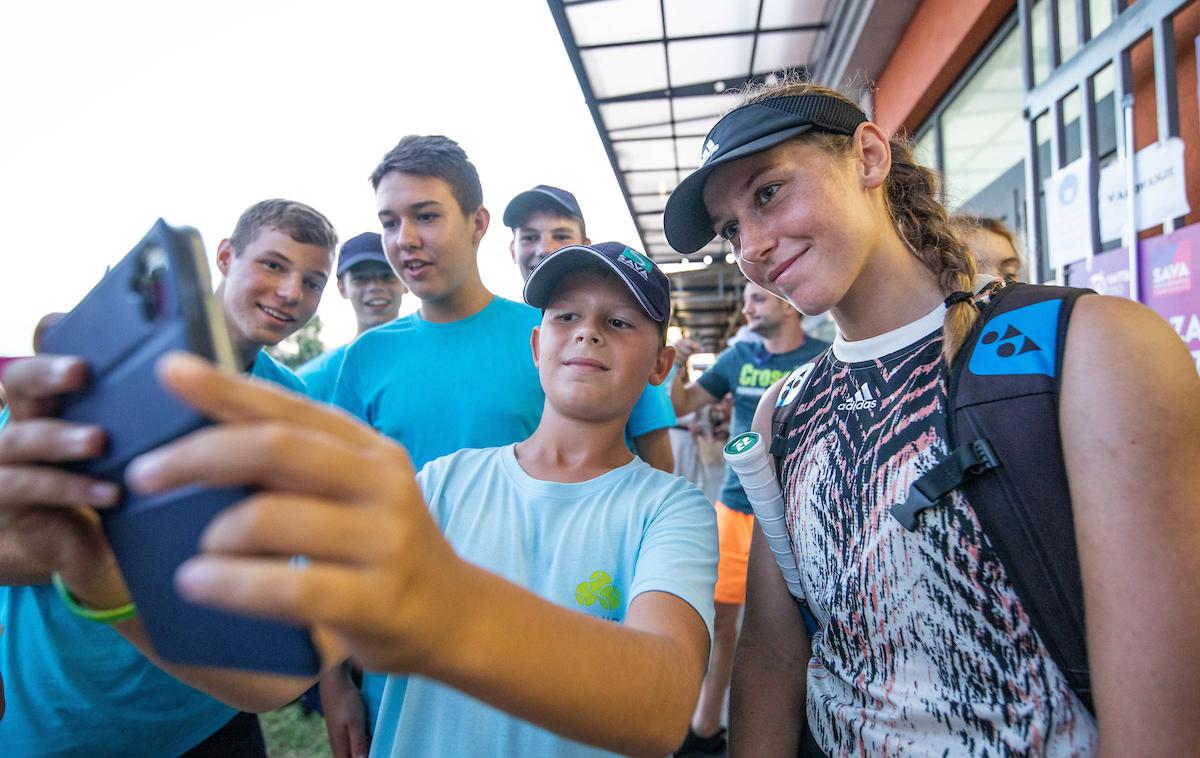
(1165, 266)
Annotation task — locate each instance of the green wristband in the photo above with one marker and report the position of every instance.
(110, 616)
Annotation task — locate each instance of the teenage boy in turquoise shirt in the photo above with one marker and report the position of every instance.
(76, 687)
(455, 374)
(548, 597)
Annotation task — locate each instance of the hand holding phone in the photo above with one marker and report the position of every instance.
(159, 299)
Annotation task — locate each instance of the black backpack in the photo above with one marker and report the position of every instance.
(1006, 455)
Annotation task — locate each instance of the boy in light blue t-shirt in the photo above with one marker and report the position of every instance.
(548, 597)
(543, 220)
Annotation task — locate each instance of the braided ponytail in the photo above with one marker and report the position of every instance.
(924, 226)
(920, 219)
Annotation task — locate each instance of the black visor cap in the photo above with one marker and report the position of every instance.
(744, 131)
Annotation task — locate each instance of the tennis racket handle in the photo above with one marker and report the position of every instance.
(747, 456)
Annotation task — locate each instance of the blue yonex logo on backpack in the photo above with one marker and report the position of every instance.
(1024, 341)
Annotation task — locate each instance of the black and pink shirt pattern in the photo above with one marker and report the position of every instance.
(924, 648)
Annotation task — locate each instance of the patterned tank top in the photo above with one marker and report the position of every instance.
(924, 647)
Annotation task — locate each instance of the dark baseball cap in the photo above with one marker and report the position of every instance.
(519, 208)
(645, 280)
(746, 130)
(367, 246)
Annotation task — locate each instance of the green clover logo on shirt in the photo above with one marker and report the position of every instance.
(598, 587)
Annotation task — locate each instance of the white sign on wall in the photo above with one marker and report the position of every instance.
(1068, 214)
(1160, 193)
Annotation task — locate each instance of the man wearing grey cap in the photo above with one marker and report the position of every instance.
(366, 279)
(543, 220)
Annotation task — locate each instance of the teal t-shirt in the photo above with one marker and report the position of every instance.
(440, 387)
(653, 410)
(268, 369)
(747, 369)
(591, 546)
(321, 373)
(76, 687)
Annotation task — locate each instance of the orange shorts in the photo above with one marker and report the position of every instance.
(734, 530)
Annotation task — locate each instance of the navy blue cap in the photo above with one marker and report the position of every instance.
(645, 280)
(367, 246)
(746, 130)
(539, 197)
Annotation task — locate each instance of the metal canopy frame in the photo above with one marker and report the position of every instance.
(652, 136)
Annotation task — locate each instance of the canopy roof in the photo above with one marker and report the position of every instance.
(657, 75)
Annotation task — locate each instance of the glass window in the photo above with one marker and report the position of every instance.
(925, 147)
(615, 21)
(617, 71)
(1104, 83)
(1037, 33)
(1068, 28)
(784, 50)
(779, 13)
(688, 17)
(1041, 129)
(1101, 17)
(983, 129)
(1072, 107)
(705, 60)
(645, 154)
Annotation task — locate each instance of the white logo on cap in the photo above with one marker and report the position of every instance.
(710, 147)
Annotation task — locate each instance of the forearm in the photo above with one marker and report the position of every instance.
(244, 690)
(770, 667)
(574, 674)
(766, 696)
(688, 398)
(17, 568)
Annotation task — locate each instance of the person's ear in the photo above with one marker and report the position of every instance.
(341, 286)
(224, 254)
(874, 153)
(512, 248)
(480, 220)
(663, 364)
(533, 345)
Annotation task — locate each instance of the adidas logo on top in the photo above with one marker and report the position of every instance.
(863, 400)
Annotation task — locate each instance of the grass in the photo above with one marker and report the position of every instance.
(291, 733)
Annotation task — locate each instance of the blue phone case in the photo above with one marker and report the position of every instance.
(157, 299)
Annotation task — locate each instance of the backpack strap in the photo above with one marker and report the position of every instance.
(964, 462)
(1003, 392)
(789, 395)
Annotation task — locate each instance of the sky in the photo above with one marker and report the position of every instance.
(115, 114)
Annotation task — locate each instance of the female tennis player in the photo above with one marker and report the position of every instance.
(921, 644)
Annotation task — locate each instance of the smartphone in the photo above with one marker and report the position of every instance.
(157, 299)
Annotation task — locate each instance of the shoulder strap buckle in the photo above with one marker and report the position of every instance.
(964, 462)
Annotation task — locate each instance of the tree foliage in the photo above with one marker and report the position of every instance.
(301, 347)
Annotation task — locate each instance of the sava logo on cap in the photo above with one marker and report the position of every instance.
(863, 400)
(710, 147)
(636, 261)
